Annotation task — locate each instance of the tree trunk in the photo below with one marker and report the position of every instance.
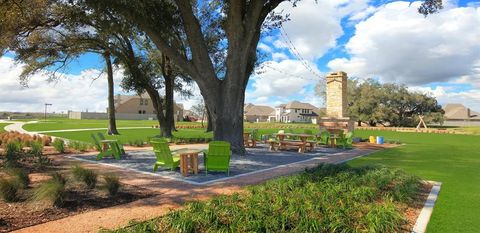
(165, 129)
(112, 125)
(209, 122)
(169, 101)
(225, 106)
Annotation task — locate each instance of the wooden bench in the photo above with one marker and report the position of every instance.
(311, 145)
(272, 144)
(293, 144)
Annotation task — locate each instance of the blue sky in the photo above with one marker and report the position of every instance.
(386, 40)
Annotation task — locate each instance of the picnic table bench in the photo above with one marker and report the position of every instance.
(303, 144)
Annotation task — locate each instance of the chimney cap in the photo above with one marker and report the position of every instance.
(337, 73)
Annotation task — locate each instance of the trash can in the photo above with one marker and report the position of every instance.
(380, 140)
(372, 139)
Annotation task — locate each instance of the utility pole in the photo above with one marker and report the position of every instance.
(46, 105)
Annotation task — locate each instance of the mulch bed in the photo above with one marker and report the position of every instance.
(79, 199)
(22, 214)
(412, 210)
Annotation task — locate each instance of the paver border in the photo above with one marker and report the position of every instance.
(427, 210)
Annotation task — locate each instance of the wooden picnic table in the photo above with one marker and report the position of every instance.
(189, 161)
(302, 144)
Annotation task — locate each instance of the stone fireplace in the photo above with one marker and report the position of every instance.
(336, 103)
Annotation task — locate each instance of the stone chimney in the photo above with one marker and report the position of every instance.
(336, 95)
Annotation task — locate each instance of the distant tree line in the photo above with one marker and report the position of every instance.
(390, 104)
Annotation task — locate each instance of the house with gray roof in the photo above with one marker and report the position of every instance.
(460, 115)
(257, 113)
(295, 111)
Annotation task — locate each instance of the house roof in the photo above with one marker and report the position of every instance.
(460, 112)
(299, 105)
(258, 110)
(121, 99)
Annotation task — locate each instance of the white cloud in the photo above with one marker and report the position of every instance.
(72, 92)
(264, 47)
(280, 81)
(279, 56)
(397, 44)
(315, 26)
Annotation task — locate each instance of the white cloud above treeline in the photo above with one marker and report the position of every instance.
(397, 44)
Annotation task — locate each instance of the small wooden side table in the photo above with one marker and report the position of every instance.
(189, 160)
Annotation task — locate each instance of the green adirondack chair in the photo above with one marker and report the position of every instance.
(119, 144)
(96, 143)
(217, 157)
(324, 138)
(345, 140)
(101, 136)
(113, 150)
(165, 157)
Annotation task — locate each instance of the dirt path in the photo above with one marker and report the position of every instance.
(172, 194)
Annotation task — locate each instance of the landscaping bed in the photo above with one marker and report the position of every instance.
(23, 213)
(329, 198)
(35, 188)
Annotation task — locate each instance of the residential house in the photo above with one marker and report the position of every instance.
(295, 111)
(257, 113)
(129, 107)
(460, 115)
(141, 105)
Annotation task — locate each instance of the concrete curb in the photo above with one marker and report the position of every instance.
(424, 217)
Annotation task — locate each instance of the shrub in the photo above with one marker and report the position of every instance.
(59, 145)
(13, 152)
(112, 184)
(78, 172)
(81, 174)
(36, 149)
(52, 191)
(90, 179)
(9, 189)
(21, 176)
(58, 177)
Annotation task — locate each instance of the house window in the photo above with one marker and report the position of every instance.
(141, 101)
(143, 112)
(139, 111)
(145, 102)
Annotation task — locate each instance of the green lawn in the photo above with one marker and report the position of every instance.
(453, 160)
(2, 125)
(64, 123)
(127, 135)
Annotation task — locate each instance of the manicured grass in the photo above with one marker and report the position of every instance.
(329, 198)
(2, 126)
(453, 160)
(63, 123)
(127, 135)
